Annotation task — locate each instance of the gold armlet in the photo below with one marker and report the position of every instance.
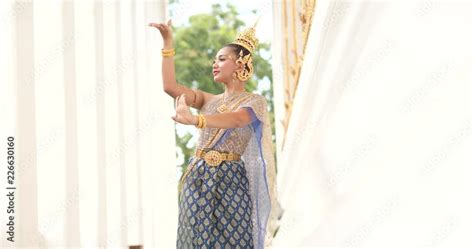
(194, 101)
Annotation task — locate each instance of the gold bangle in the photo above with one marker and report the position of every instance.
(200, 121)
(198, 125)
(168, 55)
(168, 52)
(203, 122)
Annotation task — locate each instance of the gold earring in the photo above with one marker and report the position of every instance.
(240, 59)
(245, 74)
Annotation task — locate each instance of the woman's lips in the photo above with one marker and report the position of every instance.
(215, 73)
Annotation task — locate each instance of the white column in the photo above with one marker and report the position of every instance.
(278, 75)
(163, 170)
(73, 191)
(51, 117)
(116, 236)
(128, 114)
(88, 26)
(143, 96)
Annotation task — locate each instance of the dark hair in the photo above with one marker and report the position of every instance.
(236, 49)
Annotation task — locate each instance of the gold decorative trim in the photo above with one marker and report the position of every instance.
(301, 17)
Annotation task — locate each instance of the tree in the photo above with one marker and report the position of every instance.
(196, 46)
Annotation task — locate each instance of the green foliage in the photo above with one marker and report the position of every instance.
(196, 45)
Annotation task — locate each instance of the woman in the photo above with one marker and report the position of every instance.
(227, 192)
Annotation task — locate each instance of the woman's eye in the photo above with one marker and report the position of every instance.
(220, 59)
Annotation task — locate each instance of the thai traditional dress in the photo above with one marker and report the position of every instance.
(228, 206)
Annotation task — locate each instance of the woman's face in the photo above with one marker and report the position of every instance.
(224, 65)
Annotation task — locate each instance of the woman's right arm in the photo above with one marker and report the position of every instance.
(194, 98)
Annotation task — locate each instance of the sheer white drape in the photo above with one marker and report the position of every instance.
(379, 146)
(95, 149)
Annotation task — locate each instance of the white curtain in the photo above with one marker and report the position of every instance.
(95, 160)
(379, 147)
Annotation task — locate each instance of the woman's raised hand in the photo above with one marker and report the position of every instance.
(166, 32)
(183, 114)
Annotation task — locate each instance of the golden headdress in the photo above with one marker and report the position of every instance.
(247, 39)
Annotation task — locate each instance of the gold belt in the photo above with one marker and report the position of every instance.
(214, 158)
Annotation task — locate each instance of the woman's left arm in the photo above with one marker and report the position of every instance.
(237, 119)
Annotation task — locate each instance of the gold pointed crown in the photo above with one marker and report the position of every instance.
(247, 39)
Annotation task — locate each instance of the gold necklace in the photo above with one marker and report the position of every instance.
(223, 107)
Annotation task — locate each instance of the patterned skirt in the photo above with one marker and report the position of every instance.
(215, 207)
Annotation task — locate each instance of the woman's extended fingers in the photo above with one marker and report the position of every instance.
(152, 24)
(175, 117)
(181, 109)
(183, 99)
(177, 101)
(159, 26)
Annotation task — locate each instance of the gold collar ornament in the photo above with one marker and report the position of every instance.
(223, 107)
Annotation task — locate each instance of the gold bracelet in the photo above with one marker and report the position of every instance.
(201, 122)
(168, 55)
(168, 52)
(198, 125)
